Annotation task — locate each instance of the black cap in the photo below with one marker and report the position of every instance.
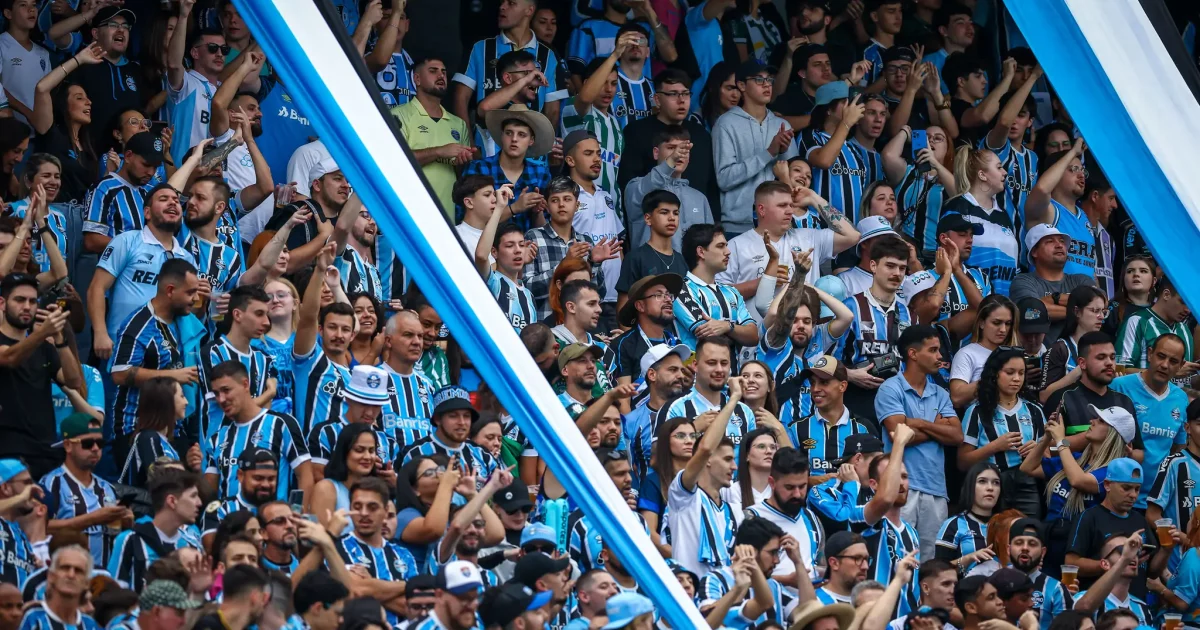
(1034, 316)
(574, 138)
(899, 53)
(840, 541)
(503, 604)
(532, 566)
(422, 584)
(513, 497)
(1026, 527)
(255, 458)
(859, 443)
(818, 4)
(14, 280)
(749, 68)
(148, 146)
(1009, 582)
(805, 52)
(108, 13)
(957, 223)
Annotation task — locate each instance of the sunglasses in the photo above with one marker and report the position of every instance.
(215, 48)
(90, 443)
(546, 549)
(278, 520)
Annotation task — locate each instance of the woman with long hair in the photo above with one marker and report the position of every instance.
(672, 449)
(721, 94)
(42, 175)
(162, 404)
(919, 194)
(1001, 426)
(367, 344)
(62, 119)
(1135, 293)
(995, 326)
(879, 200)
(423, 495)
(1052, 139)
(753, 471)
(154, 61)
(980, 179)
(284, 312)
(571, 268)
(354, 457)
(962, 540)
(1087, 308)
(759, 394)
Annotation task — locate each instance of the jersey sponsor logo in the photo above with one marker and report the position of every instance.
(1149, 429)
(287, 112)
(821, 464)
(144, 277)
(1189, 483)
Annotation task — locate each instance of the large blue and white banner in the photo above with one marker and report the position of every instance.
(329, 90)
(1136, 113)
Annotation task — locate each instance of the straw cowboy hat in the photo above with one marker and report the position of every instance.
(543, 131)
(809, 612)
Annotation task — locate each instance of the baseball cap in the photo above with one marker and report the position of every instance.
(422, 584)
(859, 443)
(255, 458)
(78, 424)
(538, 532)
(460, 577)
(831, 92)
(899, 53)
(870, 227)
(1009, 581)
(1035, 236)
(958, 223)
(1034, 316)
(1124, 470)
(839, 542)
(503, 604)
(574, 138)
(513, 497)
(1026, 527)
(917, 282)
(749, 68)
(807, 51)
(453, 398)
(368, 385)
(147, 146)
(623, 608)
(672, 282)
(1118, 418)
(10, 468)
(322, 167)
(166, 593)
(825, 367)
(834, 286)
(106, 15)
(658, 352)
(532, 566)
(577, 351)
(14, 280)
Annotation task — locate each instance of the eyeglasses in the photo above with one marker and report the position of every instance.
(855, 559)
(134, 121)
(479, 524)
(432, 472)
(280, 295)
(766, 447)
(661, 295)
(1078, 169)
(762, 80)
(215, 48)
(278, 520)
(420, 607)
(677, 94)
(1095, 311)
(90, 443)
(682, 435)
(777, 552)
(120, 26)
(899, 69)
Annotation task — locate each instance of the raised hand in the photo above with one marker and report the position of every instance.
(735, 387)
(606, 249)
(803, 261)
(854, 111)
(504, 195)
(91, 55)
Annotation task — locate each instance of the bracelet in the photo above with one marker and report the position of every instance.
(62, 345)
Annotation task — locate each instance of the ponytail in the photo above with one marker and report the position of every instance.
(967, 162)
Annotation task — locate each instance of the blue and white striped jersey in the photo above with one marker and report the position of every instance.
(634, 99)
(805, 527)
(1049, 598)
(190, 108)
(596, 38)
(395, 81)
(996, 250)
(823, 440)
(40, 618)
(17, 560)
(961, 535)
(693, 404)
(56, 221)
(481, 75)
(324, 437)
(1022, 168)
(920, 200)
(887, 544)
(148, 446)
(281, 354)
(136, 549)
(288, 568)
(584, 541)
(1132, 603)
(216, 512)
(717, 583)
(259, 366)
(391, 562)
(470, 455)
(276, 432)
(405, 417)
(1176, 491)
(702, 531)
(1026, 418)
(515, 300)
(67, 497)
(145, 341)
(873, 330)
(359, 275)
(114, 206)
(698, 299)
(845, 180)
(320, 387)
(219, 264)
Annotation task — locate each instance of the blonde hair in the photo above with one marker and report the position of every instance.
(295, 298)
(968, 162)
(1093, 457)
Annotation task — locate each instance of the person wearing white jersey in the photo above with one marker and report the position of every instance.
(859, 278)
(22, 62)
(190, 91)
(597, 216)
(774, 203)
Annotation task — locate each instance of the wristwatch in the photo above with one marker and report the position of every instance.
(1061, 445)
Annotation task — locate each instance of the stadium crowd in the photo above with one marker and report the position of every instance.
(833, 288)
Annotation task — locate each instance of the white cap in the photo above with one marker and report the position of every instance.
(660, 351)
(916, 283)
(1118, 418)
(1035, 236)
(460, 577)
(322, 168)
(368, 385)
(870, 227)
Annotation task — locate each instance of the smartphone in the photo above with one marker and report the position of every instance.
(54, 295)
(1032, 362)
(125, 501)
(920, 142)
(296, 499)
(157, 126)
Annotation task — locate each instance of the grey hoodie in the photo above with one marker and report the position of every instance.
(740, 153)
(693, 208)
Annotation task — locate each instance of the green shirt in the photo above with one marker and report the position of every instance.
(421, 131)
(1139, 332)
(607, 130)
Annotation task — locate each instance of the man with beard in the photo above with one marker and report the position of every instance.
(33, 355)
(625, 583)
(1026, 548)
(787, 507)
(176, 502)
(75, 497)
(219, 259)
(153, 342)
(666, 380)
(248, 312)
(388, 563)
(957, 288)
(813, 20)
(66, 586)
(463, 539)
(457, 597)
(580, 303)
(847, 558)
(321, 371)
(713, 358)
(1054, 199)
(584, 542)
(247, 426)
(240, 169)
(891, 538)
(1119, 556)
(1097, 360)
(599, 216)
(115, 204)
(769, 544)
(279, 537)
(190, 90)
(543, 573)
(595, 37)
(453, 416)
(438, 138)
(577, 365)
(702, 523)
(592, 590)
(650, 314)
(258, 478)
(354, 238)
(246, 594)
(329, 192)
(131, 265)
(17, 558)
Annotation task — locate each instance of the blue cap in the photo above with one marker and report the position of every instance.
(1124, 470)
(538, 532)
(834, 286)
(623, 608)
(10, 468)
(831, 92)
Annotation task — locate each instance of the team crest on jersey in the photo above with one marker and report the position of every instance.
(609, 202)
(43, 63)
(400, 565)
(257, 437)
(1175, 415)
(215, 505)
(1038, 598)
(454, 134)
(130, 84)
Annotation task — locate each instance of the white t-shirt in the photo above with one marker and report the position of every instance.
(684, 514)
(470, 236)
(597, 218)
(21, 69)
(190, 107)
(301, 163)
(748, 257)
(733, 496)
(968, 363)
